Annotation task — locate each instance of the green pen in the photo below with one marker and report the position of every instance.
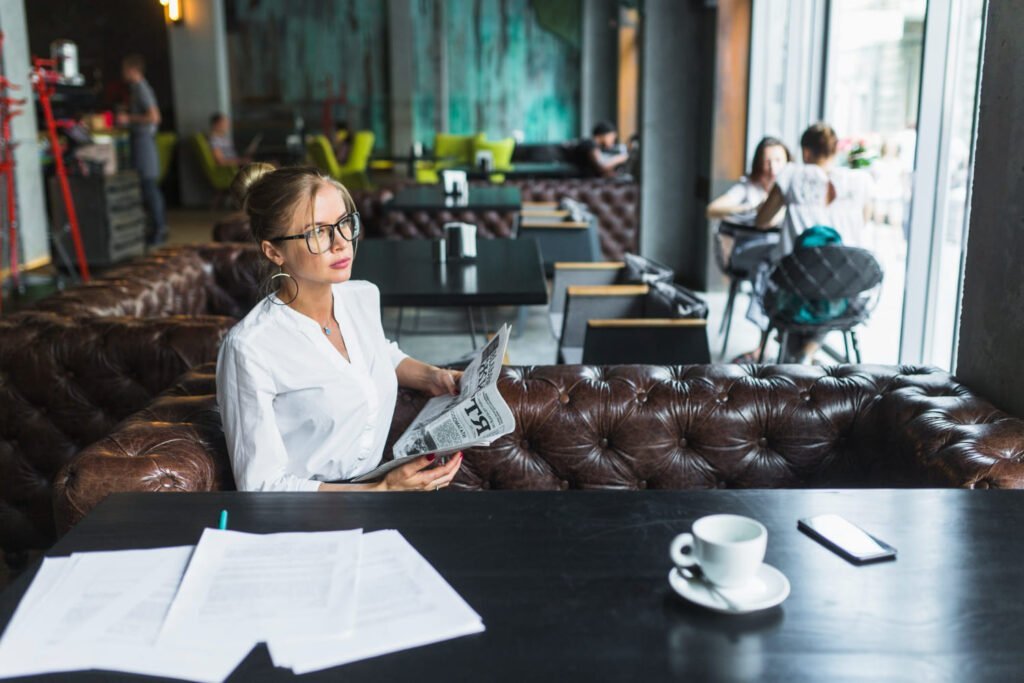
(223, 520)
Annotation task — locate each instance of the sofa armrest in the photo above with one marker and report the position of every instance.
(947, 436)
(176, 444)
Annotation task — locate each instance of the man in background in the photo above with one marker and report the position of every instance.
(142, 120)
(602, 154)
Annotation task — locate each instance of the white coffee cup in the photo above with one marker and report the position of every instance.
(728, 548)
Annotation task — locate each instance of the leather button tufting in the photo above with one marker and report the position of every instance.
(485, 485)
(762, 442)
(564, 485)
(604, 443)
(721, 484)
(524, 444)
(642, 484)
(564, 398)
(682, 442)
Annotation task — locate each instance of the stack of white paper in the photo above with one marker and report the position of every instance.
(317, 599)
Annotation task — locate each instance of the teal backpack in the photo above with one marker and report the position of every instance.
(794, 307)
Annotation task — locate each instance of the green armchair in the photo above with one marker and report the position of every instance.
(353, 174)
(219, 177)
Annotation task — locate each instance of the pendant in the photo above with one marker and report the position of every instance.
(327, 331)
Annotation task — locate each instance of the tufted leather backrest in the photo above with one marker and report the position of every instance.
(66, 383)
(208, 279)
(632, 427)
(614, 204)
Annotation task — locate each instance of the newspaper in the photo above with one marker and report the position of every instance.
(475, 417)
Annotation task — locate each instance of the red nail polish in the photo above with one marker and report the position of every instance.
(430, 458)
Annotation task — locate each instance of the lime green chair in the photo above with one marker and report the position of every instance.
(219, 177)
(501, 155)
(449, 151)
(353, 174)
(165, 144)
(354, 171)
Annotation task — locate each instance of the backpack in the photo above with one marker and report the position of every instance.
(795, 308)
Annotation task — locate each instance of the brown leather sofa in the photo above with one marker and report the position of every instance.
(614, 203)
(208, 279)
(235, 227)
(64, 384)
(631, 427)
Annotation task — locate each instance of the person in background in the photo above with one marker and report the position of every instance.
(342, 141)
(739, 204)
(222, 144)
(142, 120)
(602, 153)
(816, 193)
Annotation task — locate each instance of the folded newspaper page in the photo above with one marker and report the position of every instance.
(476, 417)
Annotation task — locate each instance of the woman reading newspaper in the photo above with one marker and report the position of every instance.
(307, 382)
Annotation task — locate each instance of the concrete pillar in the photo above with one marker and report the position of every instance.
(990, 357)
(676, 95)
(599, 63)
(199, 77)
(28, 175)
(400, 71)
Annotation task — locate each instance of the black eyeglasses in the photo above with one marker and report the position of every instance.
(320, 238)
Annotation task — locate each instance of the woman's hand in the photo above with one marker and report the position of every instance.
(441, 382)
(419, 475)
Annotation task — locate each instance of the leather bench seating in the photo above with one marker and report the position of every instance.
(235, 227)
(613, 203)
(631, 427)
(64, 384)
(210, 279)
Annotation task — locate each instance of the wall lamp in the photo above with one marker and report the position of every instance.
(172, 11)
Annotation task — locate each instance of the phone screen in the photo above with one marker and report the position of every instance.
(847, 537)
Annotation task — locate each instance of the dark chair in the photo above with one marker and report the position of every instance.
(632, 269)
(739, 250)
(631, 323)
(560, 238)
(817, 290)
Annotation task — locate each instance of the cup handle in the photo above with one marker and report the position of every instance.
(681, 551)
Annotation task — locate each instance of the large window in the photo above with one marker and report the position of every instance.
(898, 79)
(872, 90)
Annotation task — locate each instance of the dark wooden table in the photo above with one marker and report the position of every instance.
(526, 169)
(573, 586)
(506, 272)
(431, 198)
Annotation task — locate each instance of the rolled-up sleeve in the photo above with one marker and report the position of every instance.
(245, 393)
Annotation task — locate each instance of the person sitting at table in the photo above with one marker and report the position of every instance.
(601, 154)
(739, 204)
(342, 141)
(307, 381)
(222, 144)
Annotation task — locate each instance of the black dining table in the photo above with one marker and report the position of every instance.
(573, 585)
(506, 272)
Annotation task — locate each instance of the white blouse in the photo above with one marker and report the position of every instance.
(745, 192)
(804, 189)
(295, 412)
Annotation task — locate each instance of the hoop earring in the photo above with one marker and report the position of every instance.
(283, 274)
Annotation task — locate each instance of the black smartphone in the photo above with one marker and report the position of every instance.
(846, 539)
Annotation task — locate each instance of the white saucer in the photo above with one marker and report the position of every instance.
(768, 588)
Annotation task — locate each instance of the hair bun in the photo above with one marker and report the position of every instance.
(246, 177)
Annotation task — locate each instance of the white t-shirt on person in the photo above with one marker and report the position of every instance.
(745, 193)
(295, 412)
(804, 189)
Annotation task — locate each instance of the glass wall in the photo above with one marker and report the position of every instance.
(872, 89)
(964, 67)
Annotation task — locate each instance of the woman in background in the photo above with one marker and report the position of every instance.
(739, 204)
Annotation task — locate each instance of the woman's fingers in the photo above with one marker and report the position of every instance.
(427, 479)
